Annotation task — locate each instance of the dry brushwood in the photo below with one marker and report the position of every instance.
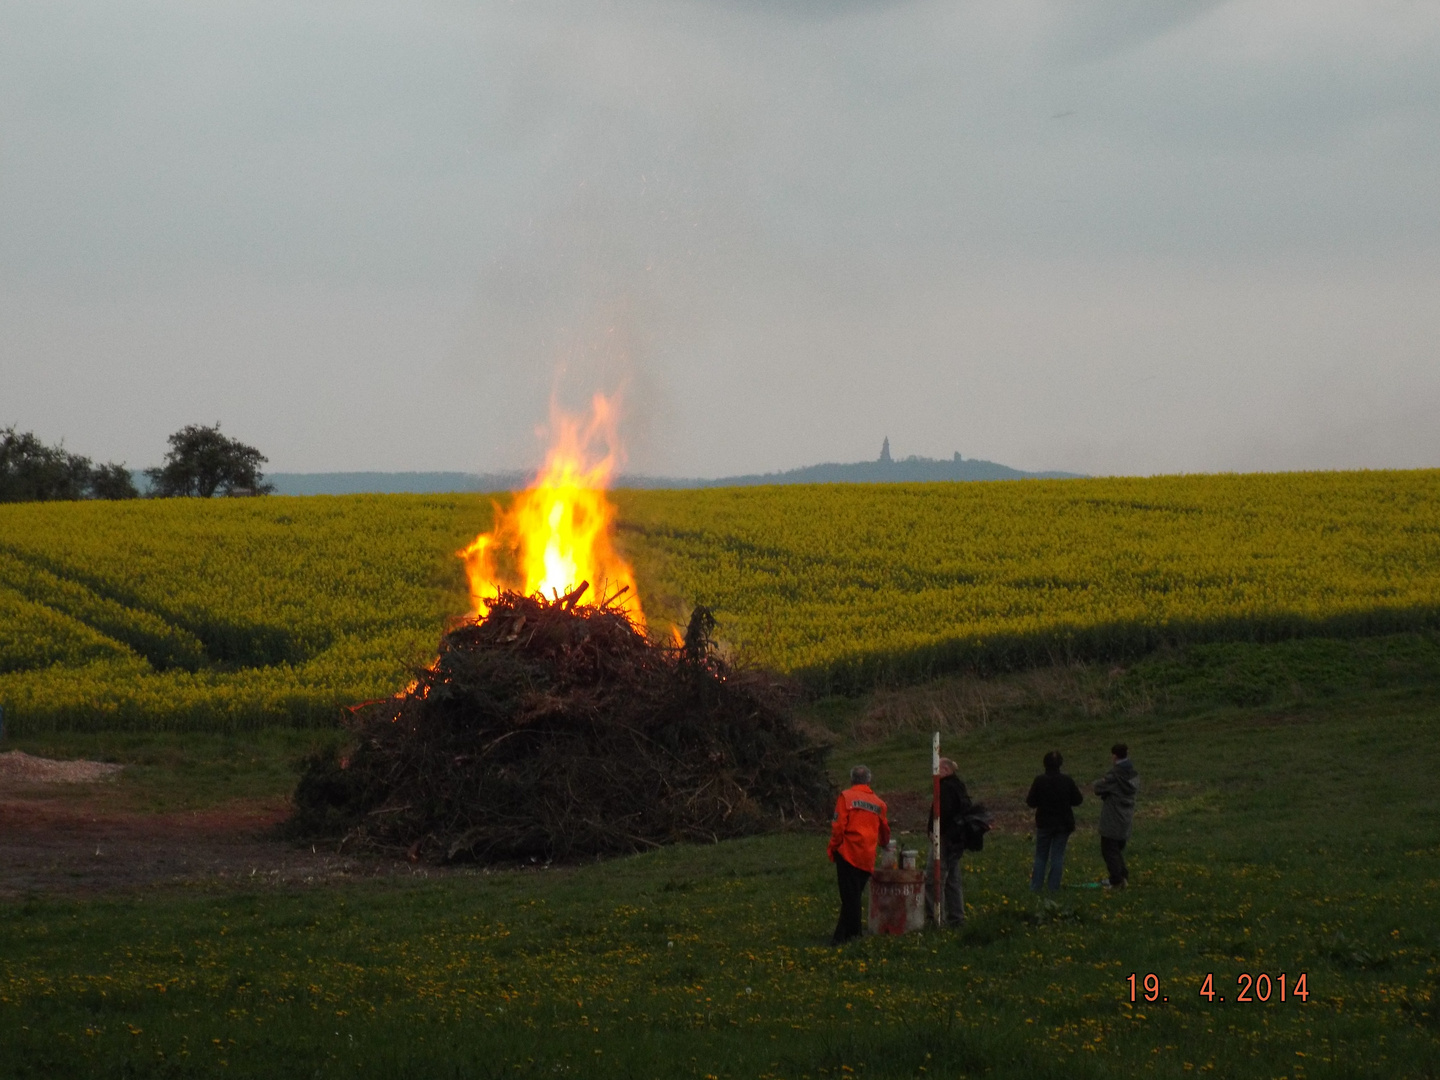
(551, 729)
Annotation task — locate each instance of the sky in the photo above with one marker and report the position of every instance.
(1104, 236)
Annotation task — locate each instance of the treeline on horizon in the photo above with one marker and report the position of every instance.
(201, 463)
(204, 463)
(906, 470)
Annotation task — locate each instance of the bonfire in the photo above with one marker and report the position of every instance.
(554, 726)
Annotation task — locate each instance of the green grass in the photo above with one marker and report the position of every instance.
(1301, 834)
(167, 771)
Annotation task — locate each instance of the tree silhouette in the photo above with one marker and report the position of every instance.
(30, 471)
(202, 462)
(112, 481)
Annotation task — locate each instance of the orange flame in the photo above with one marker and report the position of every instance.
(557, 531)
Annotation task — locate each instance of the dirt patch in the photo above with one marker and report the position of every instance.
(53, 844)
(1009, 814)
(18, 767)
(1282, 719)
(909, 812)
(962, 703)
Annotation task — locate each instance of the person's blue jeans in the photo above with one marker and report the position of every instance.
(1049, 847)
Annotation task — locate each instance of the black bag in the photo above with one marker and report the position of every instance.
(974, 825)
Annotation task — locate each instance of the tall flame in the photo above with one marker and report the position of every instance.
(557, 532)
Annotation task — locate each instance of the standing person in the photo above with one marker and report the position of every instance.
(860, 825)
(1053, 795)
(954, 805)
(1117, 790)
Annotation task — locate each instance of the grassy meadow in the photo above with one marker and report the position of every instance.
(240, 614)
(1287, 824)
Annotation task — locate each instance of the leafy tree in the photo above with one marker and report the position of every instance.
(202, 462)
(112, 481)
(30, 471)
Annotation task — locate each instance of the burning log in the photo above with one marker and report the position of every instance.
(552, 729)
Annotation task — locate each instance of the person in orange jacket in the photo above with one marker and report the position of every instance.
(860, 825)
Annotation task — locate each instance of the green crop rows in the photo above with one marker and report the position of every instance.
(229, 614)
(220, 614)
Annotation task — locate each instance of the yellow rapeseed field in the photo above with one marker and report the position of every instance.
(221, 613)
(238, 613)
(850, 585)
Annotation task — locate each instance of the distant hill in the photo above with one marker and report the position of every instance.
(884, 470)
(888, 470)
(388, 483)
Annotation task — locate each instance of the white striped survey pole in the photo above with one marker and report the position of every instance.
(939, 907)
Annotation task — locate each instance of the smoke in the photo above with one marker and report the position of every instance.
(1103, 235)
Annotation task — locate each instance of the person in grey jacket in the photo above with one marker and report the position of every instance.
(1117, 790)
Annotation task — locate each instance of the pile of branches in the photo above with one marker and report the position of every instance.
(552, 729)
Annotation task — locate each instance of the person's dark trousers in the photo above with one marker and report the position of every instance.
(1049, 846)
(1113, 852)
(952, 882)
(852, 883)
(954, 886)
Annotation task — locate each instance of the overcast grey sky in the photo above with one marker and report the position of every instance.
(1111, 236)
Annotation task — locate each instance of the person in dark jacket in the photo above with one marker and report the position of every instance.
(1117, 790)
(954, 805)
(1053, 796)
